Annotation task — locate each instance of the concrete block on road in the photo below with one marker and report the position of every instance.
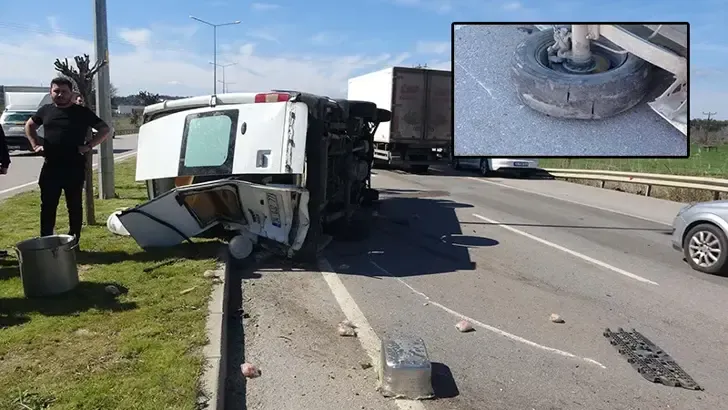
(405, 371)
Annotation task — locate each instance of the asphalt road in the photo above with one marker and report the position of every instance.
(488, 113)
(507, 254)
(25, 167)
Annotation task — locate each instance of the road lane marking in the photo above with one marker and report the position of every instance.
(95, 165)
(486, 326)
(569, 251)
(575, 202)
(369, 340)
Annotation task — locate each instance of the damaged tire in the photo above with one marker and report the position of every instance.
(552, 90)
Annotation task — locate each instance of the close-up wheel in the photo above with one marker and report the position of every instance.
(705, 248)
(615, 81)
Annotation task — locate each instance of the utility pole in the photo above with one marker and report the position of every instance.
(214, 45)
(709, 114)
(103, 101)
(223, 66)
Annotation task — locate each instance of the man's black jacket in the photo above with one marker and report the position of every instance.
(4, 152)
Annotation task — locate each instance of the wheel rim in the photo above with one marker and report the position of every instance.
(605, 60)
(704, 248)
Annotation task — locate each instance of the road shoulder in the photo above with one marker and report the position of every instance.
(290, 326)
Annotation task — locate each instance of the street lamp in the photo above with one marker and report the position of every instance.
(223, 72)
(214, 42)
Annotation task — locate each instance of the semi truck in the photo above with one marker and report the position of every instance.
(420, 132)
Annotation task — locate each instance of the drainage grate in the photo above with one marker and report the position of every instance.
(649, 360)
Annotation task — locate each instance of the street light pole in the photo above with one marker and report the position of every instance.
(214, 43)
(223, 66)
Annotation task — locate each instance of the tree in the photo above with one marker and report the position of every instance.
(146, 98)
(82, 75)
(135, 118)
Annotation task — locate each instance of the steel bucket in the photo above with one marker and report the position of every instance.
(47, 265)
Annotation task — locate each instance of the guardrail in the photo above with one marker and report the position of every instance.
(715, 185)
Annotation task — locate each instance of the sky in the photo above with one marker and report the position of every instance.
(313, 46)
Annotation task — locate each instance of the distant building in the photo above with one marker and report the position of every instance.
(128, 109)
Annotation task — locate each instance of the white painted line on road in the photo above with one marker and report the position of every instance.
(489, 327)
(95, 165)
(570, 200)
(480, 83)
(369, 340)
(569, 251)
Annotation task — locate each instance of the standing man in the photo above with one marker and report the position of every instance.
(4, 165)
(65, 124)
(4, 153)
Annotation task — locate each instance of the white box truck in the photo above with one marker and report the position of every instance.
(420, 132)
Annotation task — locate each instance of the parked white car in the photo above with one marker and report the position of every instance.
(486, 166)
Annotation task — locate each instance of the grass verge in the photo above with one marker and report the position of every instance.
(88, 349)
(702, 162)
(123, 126)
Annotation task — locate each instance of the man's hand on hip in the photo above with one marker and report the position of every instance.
(82, 149)
(38, 149)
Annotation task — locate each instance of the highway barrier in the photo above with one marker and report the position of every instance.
(714, 185)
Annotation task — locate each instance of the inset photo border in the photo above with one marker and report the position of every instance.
(570, 89)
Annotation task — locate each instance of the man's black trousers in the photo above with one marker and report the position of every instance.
(53, 180)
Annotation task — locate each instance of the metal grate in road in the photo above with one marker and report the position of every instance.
(649, 360)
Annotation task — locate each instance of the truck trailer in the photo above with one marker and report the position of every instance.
(420, 132)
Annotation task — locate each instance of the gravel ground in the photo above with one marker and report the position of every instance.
(490, 120)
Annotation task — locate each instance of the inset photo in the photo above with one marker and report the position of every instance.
(552, 90)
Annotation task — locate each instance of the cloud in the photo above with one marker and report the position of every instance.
(264, 6)
(148, 65)
(136, 37)
(512, 6)
(327, 39)
(433, 47)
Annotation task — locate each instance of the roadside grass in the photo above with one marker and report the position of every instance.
(88, 349)
(123, 126)
(702, 162)
(705, 163)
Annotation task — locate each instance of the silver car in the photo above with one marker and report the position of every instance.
(699, 231)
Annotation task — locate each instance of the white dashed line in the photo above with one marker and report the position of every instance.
(569, 251)
(489, 327)
(644, 218)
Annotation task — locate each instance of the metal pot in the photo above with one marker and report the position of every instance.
(47, 265)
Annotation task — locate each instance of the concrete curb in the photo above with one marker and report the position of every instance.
(215, 352)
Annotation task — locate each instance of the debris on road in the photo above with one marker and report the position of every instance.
(188, 290)
(649, 360)
(250, 371)
(365, 365)
(210, 274)
(556, 318)
(112, 290)
(464, 326)
(346, 329)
